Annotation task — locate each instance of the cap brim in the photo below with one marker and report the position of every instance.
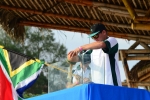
(92, 34)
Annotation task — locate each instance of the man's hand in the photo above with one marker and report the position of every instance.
(74, 52)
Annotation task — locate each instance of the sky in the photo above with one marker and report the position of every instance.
(73, 40)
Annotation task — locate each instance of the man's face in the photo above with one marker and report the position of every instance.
(99, 36)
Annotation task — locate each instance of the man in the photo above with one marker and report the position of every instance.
(104, 58)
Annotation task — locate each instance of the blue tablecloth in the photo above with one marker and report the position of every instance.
(96, 92)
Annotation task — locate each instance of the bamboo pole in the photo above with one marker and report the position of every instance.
(144, 72)
(140, 26)
(145, 77)
(138, 83)
(134, 45)
(138, 58)
(117, 14)
(54, 26)
(49, 14)
(138, 36)
(142, 18)
(116, 10)
(139, 39)
(116, 25)
(130, 8)
(137, 54)
(125, 66)
(130, 35)
(78, 2)
(98, 4)
(136, 51)
(64, 16)
(113, 10)
(144, 45)
(85, 30)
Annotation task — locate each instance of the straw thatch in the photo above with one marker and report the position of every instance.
(140, 70)
(126, 19)
(9, 22)
(76, 15)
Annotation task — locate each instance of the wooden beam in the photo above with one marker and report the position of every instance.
(54, 26)
(140, 26)
(125, 66)
(138, 58)
(142, 18)
(145, 77)
(143, 72)
(138, 83)
(119, 11)
(130, 9)
(136, 51)
(31, 11)
(117, 14)
(85, 30)
(63, 16)
(99, 4)
(133, 36)
(137, 54)
(139, 39)
(138, 36)
(144, 45)
(134, 45)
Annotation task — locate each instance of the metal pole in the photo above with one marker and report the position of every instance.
(82, 56)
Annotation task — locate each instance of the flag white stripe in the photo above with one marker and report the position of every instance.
(28, 80)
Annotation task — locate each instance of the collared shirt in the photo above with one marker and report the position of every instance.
(104, 64)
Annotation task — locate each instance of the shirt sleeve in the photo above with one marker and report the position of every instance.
(111, 46)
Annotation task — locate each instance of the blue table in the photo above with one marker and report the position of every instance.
(96, 92)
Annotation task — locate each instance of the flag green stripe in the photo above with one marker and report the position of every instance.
(3, 60)
(26, 72)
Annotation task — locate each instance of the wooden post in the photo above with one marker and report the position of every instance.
(139, 26)
(125, 66)
(134, 45)
(144, 45)
(142, 18)
(130, 8)
(143, 83)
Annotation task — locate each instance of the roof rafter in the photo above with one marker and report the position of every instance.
(63, 16)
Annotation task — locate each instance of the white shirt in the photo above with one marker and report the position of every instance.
(104, 64)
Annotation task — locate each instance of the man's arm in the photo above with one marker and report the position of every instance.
(93, 45)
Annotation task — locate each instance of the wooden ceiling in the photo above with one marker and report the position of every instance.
(127, 19)
(79, 15)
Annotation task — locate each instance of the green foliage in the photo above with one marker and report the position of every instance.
(39, 43)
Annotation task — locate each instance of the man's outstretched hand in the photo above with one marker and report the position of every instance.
(73, 55)
(74, 52)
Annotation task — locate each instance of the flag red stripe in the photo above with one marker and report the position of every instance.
(5, 87)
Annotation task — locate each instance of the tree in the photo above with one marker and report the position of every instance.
(39, 43)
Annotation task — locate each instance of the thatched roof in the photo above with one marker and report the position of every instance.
(127, 19)
(78, 16)
(142, 71)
